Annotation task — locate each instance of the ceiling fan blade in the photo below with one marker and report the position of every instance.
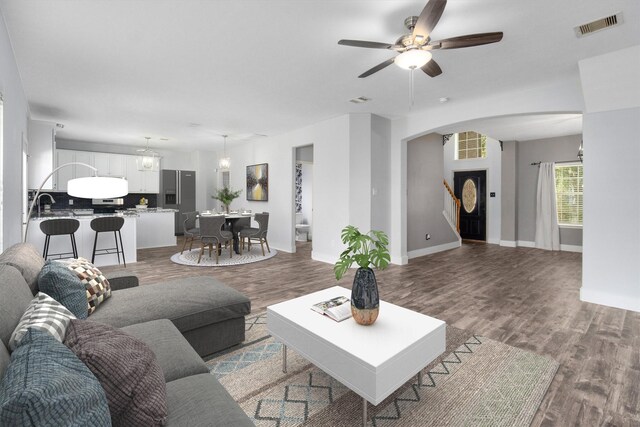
(362, 43)
(429, 17)
(377, 68)
(432, 68)
(468, 40)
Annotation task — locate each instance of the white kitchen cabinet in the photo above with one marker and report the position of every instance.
(42, 140)
(141, 181)
(74, 171)
(63, 175)
(109, 164)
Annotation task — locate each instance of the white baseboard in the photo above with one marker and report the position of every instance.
(571, 248)
(508, 243)
(399, 260)
(611, 300)
(526, 244)
(433, 249)
(329, 259)
(493, 241)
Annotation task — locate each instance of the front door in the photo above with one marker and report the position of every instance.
(471, 188)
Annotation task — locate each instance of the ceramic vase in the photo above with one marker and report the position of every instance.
(365, 301)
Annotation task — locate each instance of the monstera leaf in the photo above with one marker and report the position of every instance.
(364, 249)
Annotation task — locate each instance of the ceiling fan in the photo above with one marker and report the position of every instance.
(415, 48)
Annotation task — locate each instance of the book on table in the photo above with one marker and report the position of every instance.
(338, 308)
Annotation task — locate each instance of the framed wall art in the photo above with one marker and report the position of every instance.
(258, 182)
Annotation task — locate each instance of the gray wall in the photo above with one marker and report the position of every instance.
(509, 186)
(545, 150)
(15, 116)
(305, 154)
(425, 199)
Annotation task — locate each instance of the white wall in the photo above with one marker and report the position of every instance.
(493, 165)
(16, 114)
(330, 141)
(380, 174)
(611, 236)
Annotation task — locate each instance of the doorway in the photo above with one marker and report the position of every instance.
(303, 197)
(470, 187)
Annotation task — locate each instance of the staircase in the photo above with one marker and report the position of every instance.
(451, 208)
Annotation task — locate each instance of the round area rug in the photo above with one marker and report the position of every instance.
(247, 257)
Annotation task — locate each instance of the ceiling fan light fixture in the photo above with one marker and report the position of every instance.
(413, 58)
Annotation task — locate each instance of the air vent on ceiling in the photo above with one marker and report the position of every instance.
(598, 24)
(360, 100)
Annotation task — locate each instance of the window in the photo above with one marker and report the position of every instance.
(569, 194)
(471, 145)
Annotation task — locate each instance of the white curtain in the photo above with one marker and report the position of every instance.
(547, 231)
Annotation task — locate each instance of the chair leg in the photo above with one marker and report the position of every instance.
(217, 252)
(74, 246)
(45, 250)
(201, 251)
(186, 239)
(230, 248)
(191, 242)
(267, 243)
(122, 249)
(95, 242)
(262, 246)
(115, 237)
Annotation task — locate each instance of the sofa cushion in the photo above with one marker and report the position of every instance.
(63, 285)
(45, 314)
(46, 384)
(195, 302)
(174, 354)
(27, 259)
(203, 401)
(5, 357)
(95, 283)
(15, 296)
(127, 370)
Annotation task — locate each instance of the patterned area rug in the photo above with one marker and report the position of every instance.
(247, 257)
(476, 382)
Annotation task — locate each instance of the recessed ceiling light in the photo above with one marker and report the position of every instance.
(164, 139)
(194, 125)
(360, 100)
(444, 100)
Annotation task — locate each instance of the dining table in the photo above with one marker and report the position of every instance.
(231, 219)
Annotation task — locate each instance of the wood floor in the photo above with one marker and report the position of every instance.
(526, 298)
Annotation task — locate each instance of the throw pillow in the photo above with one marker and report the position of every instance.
(46, 384)
(64, 286)
(43, 313)
(127, 369)
(97, 286)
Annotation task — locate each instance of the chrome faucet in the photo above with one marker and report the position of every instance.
(38, 201)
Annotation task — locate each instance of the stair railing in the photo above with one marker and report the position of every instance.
(451, 206)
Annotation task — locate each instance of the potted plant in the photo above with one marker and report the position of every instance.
(366, 250)
(226, 196)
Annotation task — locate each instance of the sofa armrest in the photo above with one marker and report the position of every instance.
(122, 280)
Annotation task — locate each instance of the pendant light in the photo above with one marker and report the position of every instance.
(225, 162)
(148, 160)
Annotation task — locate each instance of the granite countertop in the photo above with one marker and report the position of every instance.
(68, 213)
(151, 210)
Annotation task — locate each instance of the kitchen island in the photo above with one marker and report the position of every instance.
(146, 228)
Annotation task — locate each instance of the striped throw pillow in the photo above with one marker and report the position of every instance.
(43, 313)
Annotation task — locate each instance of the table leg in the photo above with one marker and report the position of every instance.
(420, 378)
(364, 412)
(284, 358)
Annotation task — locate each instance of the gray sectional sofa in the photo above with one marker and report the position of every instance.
(180, 320)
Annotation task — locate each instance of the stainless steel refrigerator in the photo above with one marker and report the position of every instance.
(178, 191)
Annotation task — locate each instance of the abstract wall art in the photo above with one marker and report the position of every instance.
(258, 182)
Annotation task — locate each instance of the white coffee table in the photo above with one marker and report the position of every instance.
(373, 361)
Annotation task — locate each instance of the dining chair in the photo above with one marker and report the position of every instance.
(211, 233)
(259, 234)
(189, 229)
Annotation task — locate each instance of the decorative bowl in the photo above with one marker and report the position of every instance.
(141, 206)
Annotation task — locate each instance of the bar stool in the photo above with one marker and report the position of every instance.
(107, 224)
(59, 227)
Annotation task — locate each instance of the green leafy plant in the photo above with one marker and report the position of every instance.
(226, 196)
(363, 249)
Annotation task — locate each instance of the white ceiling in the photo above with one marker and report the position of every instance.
(114, 71)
